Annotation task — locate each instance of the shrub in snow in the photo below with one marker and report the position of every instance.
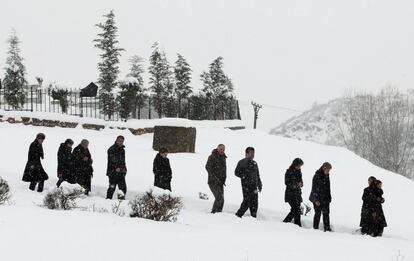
(116, 208)
(5, 193)
(162, 207)
(62, 198)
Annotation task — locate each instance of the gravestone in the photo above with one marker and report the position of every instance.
(175, 139)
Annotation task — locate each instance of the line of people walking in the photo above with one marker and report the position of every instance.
(75, 166)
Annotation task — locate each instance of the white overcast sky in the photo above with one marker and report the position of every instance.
(284, 53)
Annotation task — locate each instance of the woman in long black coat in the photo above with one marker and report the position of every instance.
(379, 221)
(368, 199)
(162, 170)
(65, 169)
(34, 172)
(83, 165)
(293, 192)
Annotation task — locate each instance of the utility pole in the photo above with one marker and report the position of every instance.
(256, 108)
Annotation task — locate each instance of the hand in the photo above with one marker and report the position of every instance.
(300, 184)
(117, 170)
(382, 200)
(85, 158)
(317, 203)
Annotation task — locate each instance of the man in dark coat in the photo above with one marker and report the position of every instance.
(248, 171)
(321, 196)
(293, 192)
(216, 169)
(116, 170)
(66, 163)
(83, 165)
(379, 221)
(368, 198)
(162, 170)
(34, 172)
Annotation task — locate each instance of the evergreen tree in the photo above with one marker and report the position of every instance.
(108, 66)
(160, 79)
(126, 99)
(182, 75)
(217, 88)
(14, 79)
(140, 95)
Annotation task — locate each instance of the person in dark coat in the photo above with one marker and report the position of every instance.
(379, 221)
(217, 172)
(293, 192)
(34, 172)
(162, 170)
(248, 171)
(116, 170)
(321, 196)
(66, 163)
(368, 198)
(83, 165)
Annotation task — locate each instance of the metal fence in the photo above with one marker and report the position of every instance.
(41, 100)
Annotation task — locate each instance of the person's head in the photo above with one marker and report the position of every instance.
(326, 168)
(297, 164)
(69, 143)
(120, 140)
(371, 180)
(84, 143)
(163, 152)
(250, 152)
(378, 183)
(221, 149)
(40, 137)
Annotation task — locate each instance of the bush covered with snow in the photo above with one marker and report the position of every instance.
(162, 207)
(62, 198)
(5, 193)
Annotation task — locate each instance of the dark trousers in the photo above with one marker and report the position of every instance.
(323, 209)
(250, 201)
(40, 185)
(294, 213)
(218, 192)
(116, 181)
(86, 184)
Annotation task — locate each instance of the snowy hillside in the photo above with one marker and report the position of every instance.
(30, 232)
(318, 124)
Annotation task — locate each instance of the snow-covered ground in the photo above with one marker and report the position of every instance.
(30, 232)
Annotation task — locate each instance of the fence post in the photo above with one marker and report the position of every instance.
(31, 98)
(149, 107)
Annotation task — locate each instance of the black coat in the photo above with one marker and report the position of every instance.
(293, 192)
(216, 168)
(162, 172)
(248, 171)
(34, 171)
(379, 220)
(66, 164)
(83, 168)
(321, 188)
(368, 202)
(116, 160)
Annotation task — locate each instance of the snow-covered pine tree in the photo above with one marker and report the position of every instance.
(218, 88)
(135, 72)
(108, 67)
(160, 79)
(182, 75)
(170, 105)
(14, 78)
